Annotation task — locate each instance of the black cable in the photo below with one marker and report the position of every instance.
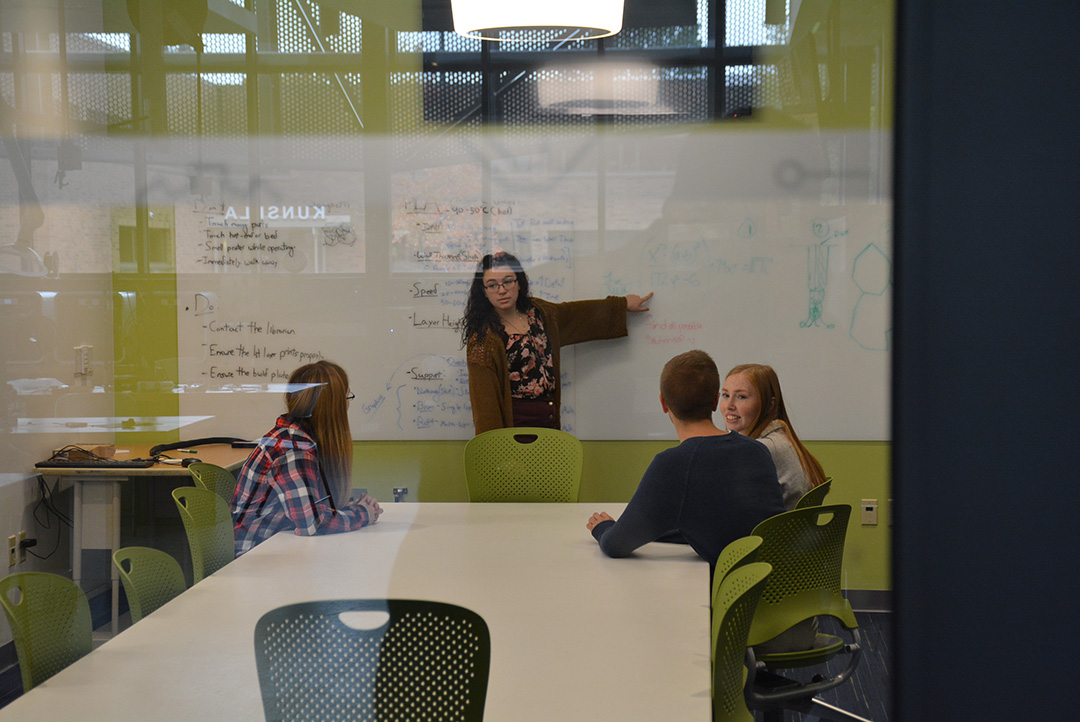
(157, 450)
(64, 453)
(49, 505)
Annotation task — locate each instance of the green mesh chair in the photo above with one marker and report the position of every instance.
(50, 623)
(373, 659)
(732, 612)
(806, 550)
(209, 528)
(214, 478)
(816, 496)
(150, 577)
(523, 464)
(739, 552)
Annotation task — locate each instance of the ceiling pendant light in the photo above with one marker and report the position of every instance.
(528, 21)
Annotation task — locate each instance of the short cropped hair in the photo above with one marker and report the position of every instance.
(689, 385)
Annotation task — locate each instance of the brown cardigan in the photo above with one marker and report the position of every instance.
(564, 323)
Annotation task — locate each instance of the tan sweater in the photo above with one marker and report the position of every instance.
(564, 323)
(789, 470)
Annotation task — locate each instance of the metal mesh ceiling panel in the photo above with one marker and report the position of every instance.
(230, 108)
(434, 41)
(95, 100)
(538, 40)
(183, 113)
(347, 35)
(751, 86)
(293, 35)
(314, 104)
(304, 27)
(685, 36)
(681, 97)
(518, 100)
(451, 97)
(224, 107)
(451, 112)
(102, 101)
(746, 25)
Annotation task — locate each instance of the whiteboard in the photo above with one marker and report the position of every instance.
(755, 247)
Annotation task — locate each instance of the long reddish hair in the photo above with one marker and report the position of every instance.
(767, 385)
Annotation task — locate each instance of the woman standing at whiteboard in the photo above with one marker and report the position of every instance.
(300, 476)
(752, 404)
(513, 340)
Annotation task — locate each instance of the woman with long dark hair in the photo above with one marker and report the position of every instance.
(300, 476)
(513, 342)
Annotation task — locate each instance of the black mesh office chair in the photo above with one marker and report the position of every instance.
(373, 659)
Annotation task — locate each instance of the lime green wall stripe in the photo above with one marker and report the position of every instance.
(145, 348)
(434, 471)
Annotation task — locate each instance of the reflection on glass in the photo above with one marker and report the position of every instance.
(322, 184)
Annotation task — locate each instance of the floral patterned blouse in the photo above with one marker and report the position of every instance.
(528, 356)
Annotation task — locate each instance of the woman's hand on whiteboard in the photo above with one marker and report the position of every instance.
(636, 304)
(374, 511)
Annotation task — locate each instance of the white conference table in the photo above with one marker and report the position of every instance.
(575, 635)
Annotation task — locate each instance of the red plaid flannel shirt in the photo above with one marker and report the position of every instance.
(280, 487)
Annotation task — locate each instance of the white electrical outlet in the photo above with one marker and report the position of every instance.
(21, 552)
(869, 512)
(13, 551)
(83, 355)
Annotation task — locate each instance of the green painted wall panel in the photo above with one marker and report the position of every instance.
(860, 470)
(433, 471)
(145, 350)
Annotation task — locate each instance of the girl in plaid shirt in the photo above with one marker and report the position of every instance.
(299, 477)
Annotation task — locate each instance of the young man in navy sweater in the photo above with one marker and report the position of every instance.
(711, 489)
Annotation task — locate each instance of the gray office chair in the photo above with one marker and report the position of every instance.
(373, 659)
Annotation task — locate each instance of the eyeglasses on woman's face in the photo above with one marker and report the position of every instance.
(492, 286)
(350, 396)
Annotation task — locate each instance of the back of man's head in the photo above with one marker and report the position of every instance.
(689, 385)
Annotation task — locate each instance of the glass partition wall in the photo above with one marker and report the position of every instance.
(177, 175)
(198, 197)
